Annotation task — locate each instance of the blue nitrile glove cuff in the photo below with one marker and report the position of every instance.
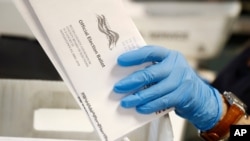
(200, 119)
(175, 84)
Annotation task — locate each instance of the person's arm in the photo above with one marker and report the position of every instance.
(173, 83)
(243, 120)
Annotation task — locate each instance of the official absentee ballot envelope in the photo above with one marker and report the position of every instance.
(83, 39)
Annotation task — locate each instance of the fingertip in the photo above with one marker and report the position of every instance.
(121, 88)
(122, 61)
(117, 88)
(144, 110)
(130, 101)
(125, 104)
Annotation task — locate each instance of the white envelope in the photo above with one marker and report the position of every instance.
(83, 39)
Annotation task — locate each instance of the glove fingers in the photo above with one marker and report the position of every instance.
(155, 91)
(147, 76)
(142, 55)
(165, 102)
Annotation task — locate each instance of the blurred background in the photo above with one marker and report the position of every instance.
(210, 33)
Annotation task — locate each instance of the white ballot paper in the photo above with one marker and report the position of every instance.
(83, 39)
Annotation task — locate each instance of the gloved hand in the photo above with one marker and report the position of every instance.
(175, 84)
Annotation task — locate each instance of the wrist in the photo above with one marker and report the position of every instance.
(233, 113)
(225, 107)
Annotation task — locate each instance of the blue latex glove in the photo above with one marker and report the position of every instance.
(175, 84)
